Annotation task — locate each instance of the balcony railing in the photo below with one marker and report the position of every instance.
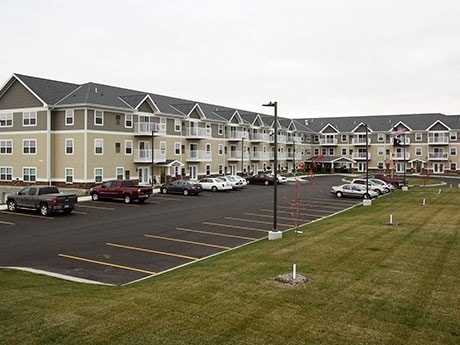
(236, 135)
(281, 138)
(146, 128)
(360, 155)
(199, 155)
(438, 155)
(360, 141)
(236, 155)
(259, 137)
(442, 140)
(328, 141)
(291, 156)
(198, 132)
(257, 155)
(145, 156)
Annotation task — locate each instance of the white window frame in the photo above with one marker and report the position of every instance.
(69, 175)
(177, 125)
(98, 175)
(418, 136)
(453, 136)
(453, 151)
(220, 129)
(6, 172)
(453, 166)
(128, 146)
(177, 148)
(98, 117)
(69, 117)
(29, 118)
(119, 173)
(208, 169)
(418, 151)
(29, 147)
(98, 143)
(6, 119)
(381, 137)
(380, 151)
(220, 150)
(66, 144)
(6, 147)
(31, 176)
(344, 138)
(128, 120)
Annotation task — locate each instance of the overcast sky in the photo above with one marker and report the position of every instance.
(316, 58)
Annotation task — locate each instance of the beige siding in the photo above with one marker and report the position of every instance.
(18, 97)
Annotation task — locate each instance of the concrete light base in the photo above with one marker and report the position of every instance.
(404, 188)
(367, 202)
(275, 235)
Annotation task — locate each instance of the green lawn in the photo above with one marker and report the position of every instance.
(370, 284)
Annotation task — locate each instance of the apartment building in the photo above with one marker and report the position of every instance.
(77, 135)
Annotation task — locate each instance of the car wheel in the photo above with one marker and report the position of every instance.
(44, 210)
(387, 190)
(366, 196)
(214, 189)
(185, 192)
(339, 194)
(11, 206)
(95, 196)
(127, 199)
(266, 183)
(164, 190)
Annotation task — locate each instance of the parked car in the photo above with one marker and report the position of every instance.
(395, 180)
(377, 181)
(261, 178)
(353, 190)
(185, 187)
(46, 199)
(215, 183)
(281, 179)
(244, 183)
(371, 185)
(235, 181)
(121, 189)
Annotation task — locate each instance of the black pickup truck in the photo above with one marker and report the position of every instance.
(46, 199)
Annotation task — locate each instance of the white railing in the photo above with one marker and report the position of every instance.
(257, 155)
(145, 156)
(199, 155)
(198, 132)
(400, 156)
(360, 155)
(360, 141)
(237, 155)
(237, 135)
(259, 137)
(438, 140)
(147, 128)
(328, 141)
(438, 155)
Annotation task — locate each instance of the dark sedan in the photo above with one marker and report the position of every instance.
(185, 187)
(261, 178)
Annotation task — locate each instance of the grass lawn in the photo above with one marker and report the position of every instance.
(370, 284)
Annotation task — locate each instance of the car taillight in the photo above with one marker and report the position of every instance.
(54, 202)
(193, 187)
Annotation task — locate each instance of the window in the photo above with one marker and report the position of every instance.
(380, 151)
(129, 120)
(453, 166)
(69, 115)
(316, 139)
(344, 138)
(221, 149)
(6, 173)
(6, 119)
(323, 151)
(128, 147)
(177, 148)
(381, 137)
(99, 118)
(208, 169)
(117, 147)
(29, 118)
(69, 146)
(453, 136)
(119, 173)
(221, 169)
(98, 175)
(418, 151)
(68, 175)
(6, 147)
(220, 129)
(29, 174)
(418, 136)
(344, 151)
(380, 165)
(316, 151)
(331, 151)
(453, 151)
(177, 125)
(29, 146)
(118, 119)
(98, 146)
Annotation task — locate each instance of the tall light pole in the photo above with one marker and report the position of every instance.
(242, 154)
(275, 234)
(153, 152)
(367, 160)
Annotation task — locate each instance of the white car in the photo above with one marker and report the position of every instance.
(237, 181)
(353, 190)
(382, 183)
(281, 179)
(371, 185)
(215, 184)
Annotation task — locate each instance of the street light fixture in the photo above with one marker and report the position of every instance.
(275, 234)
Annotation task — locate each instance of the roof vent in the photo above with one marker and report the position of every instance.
(306, 122)
(95, 89)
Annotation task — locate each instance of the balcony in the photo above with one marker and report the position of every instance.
(328, 141)
(438, 156)
(290, 156)
(438, 140)
(260, 156)
(399, 156)
(197, 132)
(280, 139)
(281, 156)
(259, 137)
(236, 156)
(360, 156)
(145, 156)
(146, 128)
(236, 135)
(199, 156)
(360, 141)
(293, 140)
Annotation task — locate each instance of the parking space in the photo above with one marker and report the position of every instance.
(115, 243)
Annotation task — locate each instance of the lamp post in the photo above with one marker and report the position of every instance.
(293, 154)
(153, 152)
(275, 234)
(404, 161)
(367, 160)
(242, 154)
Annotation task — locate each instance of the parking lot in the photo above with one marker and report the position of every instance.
(116, 243)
